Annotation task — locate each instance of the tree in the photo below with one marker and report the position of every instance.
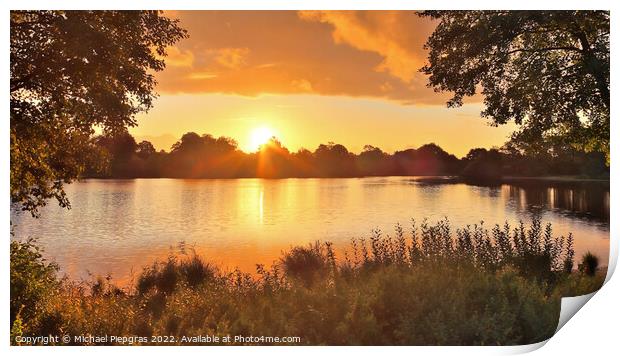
(204, 156)
(121, 150)
(373, 161)
(145, 149)
(547, 71)
(431, 159)
(482, 165)
(334, 160)
(274, 160)
(72, 71)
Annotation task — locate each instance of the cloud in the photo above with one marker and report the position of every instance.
(233, 58)
(202, 75)
(302, 85)
(349, 53)
(178, 58)
(397, 36)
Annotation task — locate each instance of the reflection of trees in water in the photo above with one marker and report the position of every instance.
(583, 200)
(494, 191)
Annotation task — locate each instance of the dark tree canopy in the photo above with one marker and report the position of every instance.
(547, 71)
(72, 71)
(207, 156)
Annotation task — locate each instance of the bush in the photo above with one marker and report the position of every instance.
(164, 277)
(307, 263)
(33, 281)
(196, 271)
(589, 264)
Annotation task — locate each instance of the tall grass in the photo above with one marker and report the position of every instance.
(429, 285)
(532, 251)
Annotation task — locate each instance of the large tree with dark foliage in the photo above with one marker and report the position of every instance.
(72, 71)
(547, 71)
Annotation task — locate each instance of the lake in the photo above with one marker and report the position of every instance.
(117, 227)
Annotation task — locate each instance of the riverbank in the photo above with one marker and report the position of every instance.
(433, 287)
(555, 179)
(510, 180)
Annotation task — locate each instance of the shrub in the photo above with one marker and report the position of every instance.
(306, 263)
(196, 271)
(33, 280)
(589, 264)
(164, 277)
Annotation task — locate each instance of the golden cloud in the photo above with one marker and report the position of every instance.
(351, 53)
(202, 75)
(302, 85)
(178, 58)
(233, 58)
(387, 33)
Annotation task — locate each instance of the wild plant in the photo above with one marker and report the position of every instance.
(532, 250)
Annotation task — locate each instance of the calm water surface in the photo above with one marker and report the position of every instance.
(118, 226)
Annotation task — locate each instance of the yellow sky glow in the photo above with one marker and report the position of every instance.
(348, 77)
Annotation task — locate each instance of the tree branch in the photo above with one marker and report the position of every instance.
(545, 49)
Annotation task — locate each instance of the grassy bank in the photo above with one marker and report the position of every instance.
(431, 285)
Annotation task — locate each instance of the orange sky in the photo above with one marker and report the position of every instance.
(310, 77)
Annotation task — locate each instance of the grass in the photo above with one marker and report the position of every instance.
(431, 285)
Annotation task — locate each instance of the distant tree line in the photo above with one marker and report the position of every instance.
(196, 156)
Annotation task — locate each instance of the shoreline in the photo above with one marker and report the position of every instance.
(416, 178)
(558, 179)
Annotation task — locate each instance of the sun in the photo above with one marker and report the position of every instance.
(259, 136)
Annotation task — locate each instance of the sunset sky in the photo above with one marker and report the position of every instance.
(309, 78)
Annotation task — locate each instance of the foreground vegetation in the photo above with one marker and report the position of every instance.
(428, 286)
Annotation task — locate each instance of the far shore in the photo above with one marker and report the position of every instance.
(510, 179)
(436, 179)
(559, 179)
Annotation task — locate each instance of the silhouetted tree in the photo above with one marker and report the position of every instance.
(554, 155)
(196, 156)
(334, 160)
(303, 163)
(483, 165)
(145, 149)
(547, 71)
(205, 156)
(373, 161)
(121, 149)
(403, 162)
(431, 159)
(274, 160)
(71, 71)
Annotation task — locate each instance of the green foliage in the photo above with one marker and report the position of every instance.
(533, 156)
(33, 283)
(70, 72)
(547, 71)
(17, 328)
(428, 287)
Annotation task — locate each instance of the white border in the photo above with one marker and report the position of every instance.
(591, 331)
